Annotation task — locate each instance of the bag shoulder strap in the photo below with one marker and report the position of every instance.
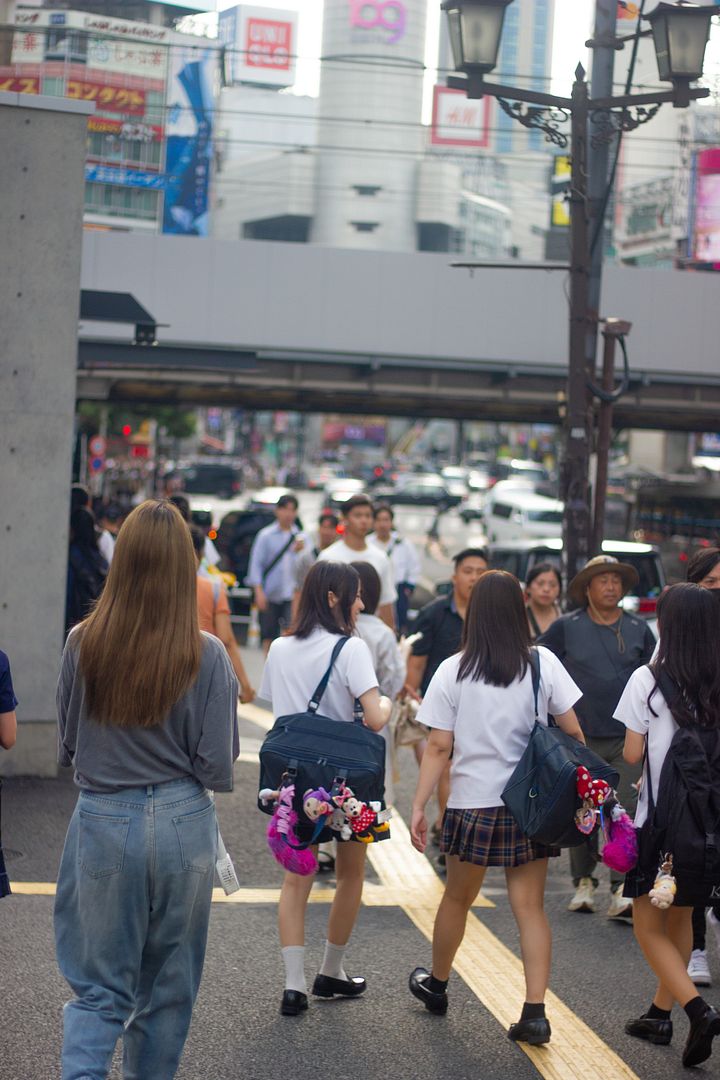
(322, 685)
(274, 561)
(535, 671)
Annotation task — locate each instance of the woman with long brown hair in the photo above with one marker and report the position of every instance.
(146, 716)
(480, 709)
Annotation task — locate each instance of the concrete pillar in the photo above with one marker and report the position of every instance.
(42, 184)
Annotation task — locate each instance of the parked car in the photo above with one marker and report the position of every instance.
(319, 476)
(474, 507)
(518, 514)
(506, 468)
(266, 497)
(519, 556)
(337, 492)
(210, 478)
(413, 490)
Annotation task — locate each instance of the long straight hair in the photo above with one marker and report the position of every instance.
(140, 647)
(689, 621)
(314, 611)
(496, 637)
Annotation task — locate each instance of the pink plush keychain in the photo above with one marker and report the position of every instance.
(620, 850)
(282, 824)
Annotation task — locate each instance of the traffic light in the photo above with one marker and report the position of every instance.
(127, 430)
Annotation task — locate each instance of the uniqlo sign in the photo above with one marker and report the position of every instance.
(268, 44)
(260, 44)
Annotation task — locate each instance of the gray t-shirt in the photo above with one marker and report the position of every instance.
(198, 738)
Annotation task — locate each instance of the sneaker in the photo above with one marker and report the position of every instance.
(698, 969)
(714, 924)
(584, 898)
(620, 906)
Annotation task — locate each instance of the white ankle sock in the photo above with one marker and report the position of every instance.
(332, 964)
(294, 961)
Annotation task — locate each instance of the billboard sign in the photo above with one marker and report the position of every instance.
(12, 84)
(190, 120)
(458, 121)
(129, 130)
(119, 99)
(260, 44)
(559, 189)
(111, 174)
(645, 214)
(705, 234)
(380, 20)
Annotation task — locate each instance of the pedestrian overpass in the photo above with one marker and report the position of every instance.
(266, 325)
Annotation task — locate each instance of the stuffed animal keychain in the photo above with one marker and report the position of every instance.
(620, 850)
(662, 894)
(282, 839)
(593, 794)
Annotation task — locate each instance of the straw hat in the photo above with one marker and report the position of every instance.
(601, 564)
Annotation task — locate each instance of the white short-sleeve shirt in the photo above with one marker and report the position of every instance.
(295, 666)
(634, 712)
(491, 724)
(340, 552)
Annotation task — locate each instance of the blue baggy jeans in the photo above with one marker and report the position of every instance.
(131, 922)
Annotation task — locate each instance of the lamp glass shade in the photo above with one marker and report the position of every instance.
(680, 33)
(481, 30)
(475, 28)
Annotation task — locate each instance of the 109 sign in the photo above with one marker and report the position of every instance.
(388, 15)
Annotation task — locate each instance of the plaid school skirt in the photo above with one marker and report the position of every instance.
(489, 837)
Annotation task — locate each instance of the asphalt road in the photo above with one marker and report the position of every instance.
(599, 975)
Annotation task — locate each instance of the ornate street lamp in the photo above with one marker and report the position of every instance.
(680, 34)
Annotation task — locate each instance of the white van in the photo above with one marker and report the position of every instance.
(519, 514)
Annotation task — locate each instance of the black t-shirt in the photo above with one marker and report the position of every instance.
(591, 654)
(441, 627)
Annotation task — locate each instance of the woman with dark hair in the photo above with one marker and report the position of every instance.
(146, 716)
(542, 594)
(480, 709)
(330, 602)
(703, 569)
(687, 661)
(87, 567)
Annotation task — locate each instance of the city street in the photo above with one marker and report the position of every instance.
(599, 976)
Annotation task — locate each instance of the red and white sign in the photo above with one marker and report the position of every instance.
(119, 99)
(268, 44)
(261, 44)
(97, 446)
(130, 130)
(458, 121)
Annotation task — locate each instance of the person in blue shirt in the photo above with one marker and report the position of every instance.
(271, 571)
(8, 701)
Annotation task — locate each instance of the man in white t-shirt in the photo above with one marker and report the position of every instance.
(358, 521)
(403, 556)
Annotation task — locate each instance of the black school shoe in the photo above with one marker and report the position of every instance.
(658, 1032)
(326, 987)
(698, 1047)
(535, 1032)
(293, 1002)
(434, 1002)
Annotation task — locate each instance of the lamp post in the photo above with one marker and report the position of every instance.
(680, 32)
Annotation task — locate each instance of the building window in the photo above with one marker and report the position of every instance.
(367, 189)
(365, 226)
(114, 200)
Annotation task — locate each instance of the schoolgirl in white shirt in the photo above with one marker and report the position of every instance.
(480, 709)
(329, 605)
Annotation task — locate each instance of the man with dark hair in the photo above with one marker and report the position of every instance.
(326, 535)
(357, 519)
(271, 570)
(440, 624)
(402, 555)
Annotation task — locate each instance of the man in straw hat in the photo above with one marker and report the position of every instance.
(601, 646)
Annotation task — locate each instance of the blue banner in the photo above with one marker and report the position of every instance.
(189, 144)
(110, 174)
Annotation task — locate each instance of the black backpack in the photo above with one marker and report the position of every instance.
(313, 751)
(685, 819)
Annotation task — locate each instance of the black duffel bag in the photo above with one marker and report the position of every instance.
(542, 793)
(313, 751)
